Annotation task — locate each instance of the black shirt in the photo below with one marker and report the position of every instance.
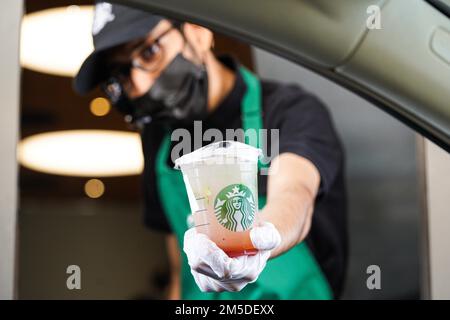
(306, 129)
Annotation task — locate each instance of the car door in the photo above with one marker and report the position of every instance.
(403, 67)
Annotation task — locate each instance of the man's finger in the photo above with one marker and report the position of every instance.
(265, 236)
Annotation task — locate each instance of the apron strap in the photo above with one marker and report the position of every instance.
(252, 110)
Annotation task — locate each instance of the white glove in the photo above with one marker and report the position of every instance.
(214, 271)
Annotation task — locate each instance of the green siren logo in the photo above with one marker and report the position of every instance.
(235, 207)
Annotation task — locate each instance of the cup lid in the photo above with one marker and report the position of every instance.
(217, 152)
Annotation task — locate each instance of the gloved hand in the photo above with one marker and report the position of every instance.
(213, 270)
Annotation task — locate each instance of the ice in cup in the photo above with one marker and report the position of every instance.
(221, 180)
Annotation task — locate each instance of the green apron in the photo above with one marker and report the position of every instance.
(292, 275)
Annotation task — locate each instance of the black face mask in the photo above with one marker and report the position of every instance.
(178, 97)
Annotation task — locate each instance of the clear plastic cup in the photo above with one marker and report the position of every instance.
(221, 180)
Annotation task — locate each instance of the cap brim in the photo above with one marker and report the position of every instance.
(92, 72)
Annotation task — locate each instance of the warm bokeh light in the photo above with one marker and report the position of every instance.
(100, 107)
(94, 188)
(57, 40)
(85, 153)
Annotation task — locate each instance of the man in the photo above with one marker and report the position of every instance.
(163, 75)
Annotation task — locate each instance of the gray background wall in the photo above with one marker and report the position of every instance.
(437, 167)
(9, 92)
(383, 186)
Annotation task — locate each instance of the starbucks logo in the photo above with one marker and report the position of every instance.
(235, 207)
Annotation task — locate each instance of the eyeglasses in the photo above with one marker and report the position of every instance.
(147, 56)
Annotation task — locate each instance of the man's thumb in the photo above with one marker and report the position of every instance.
(265, 236)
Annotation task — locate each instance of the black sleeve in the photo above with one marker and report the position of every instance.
(306, 129)
(154, 216)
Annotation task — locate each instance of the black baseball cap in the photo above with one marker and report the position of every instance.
(113, 25)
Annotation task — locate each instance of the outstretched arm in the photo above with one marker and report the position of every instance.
(292, 186)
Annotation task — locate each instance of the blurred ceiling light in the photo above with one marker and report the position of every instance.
(100, 107)
(84, 153)
(94, 188)
(57, 40)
